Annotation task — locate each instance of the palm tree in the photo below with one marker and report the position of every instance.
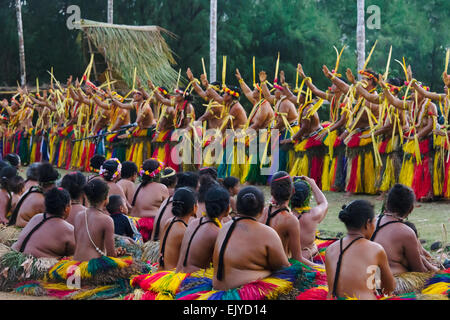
(23, 73)
(110, 11)
(360, 35)
(213, 42)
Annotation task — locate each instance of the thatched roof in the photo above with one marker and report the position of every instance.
(128, 47)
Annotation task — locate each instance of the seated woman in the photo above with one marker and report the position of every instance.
(110, 172)
(349, 277)
(32, 201)
(129, 175)
(32, 176)
(246, 250)
(169, 179)
(6, 192)
(94, 228)
(184, 179)
(198, 242)
(278, 215)
(48, 234)
(309, 218)
(206, 183)
(17, 185)
(184, 206)
(148, 197)
(74, 183)
(403, 249)
(232, 185)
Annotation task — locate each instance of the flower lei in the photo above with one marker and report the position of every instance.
(118, 171)
(154, 172)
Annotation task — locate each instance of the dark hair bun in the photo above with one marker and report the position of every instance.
(47, 173)
(217, 200)
(250, 201)
(96, 191)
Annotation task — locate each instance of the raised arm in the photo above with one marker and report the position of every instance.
(197, 88)
(312, 87)
(265, 89)
(286, 91)
(430, 95)
(244, 87)
(210, 92)
(373, 98)
(338, 82)
(391, 99)
(319, 212)
(158, 96)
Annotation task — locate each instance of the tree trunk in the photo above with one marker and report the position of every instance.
(23, 74)
(110, 11)
(361, 36)
(213, 42)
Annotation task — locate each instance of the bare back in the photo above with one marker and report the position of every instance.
(201, 248)
(32, 205)
(253, 252)
(355, 268)
(53, 239)
(128, 187)
(149, 200)
(101, 230)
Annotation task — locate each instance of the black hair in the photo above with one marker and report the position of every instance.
(183, 202)
(47, 174)
(400, 200)
(17, 184)
(114, 203)
(13, 159)
(168, 177)
(150, 165)
(56, 201)
(281, 186)
(110, 167)
(96, 191)
(129, 169)
(96, 161)
(217, 200)
(302, 194)
(74, 183)
(212, 172)
(4, 164)
(395, 82)
(230, 182)
(356, 214)
(187, 179)
(33, 171)
(250, 201)
(6, 175)
(206, 183)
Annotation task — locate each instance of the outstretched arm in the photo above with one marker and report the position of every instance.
(373, 98)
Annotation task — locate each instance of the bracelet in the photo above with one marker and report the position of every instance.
(241, 80)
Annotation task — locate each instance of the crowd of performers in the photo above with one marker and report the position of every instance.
(210, 238)
(380, 130)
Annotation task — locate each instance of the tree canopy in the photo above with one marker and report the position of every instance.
(301, 30)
